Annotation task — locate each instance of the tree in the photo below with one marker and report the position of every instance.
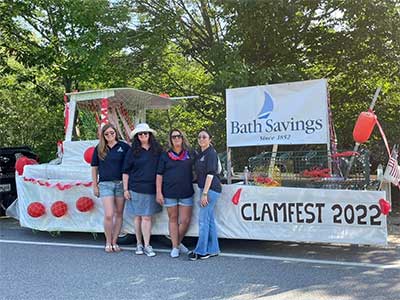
(75, 39)
(358, 51)
(202, 47)
(49, 47)
(28, 111)
(353, 44)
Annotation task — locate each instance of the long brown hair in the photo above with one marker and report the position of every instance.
(185, 143)
(102, 148)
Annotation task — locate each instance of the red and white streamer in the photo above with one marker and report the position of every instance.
(58, 185)
(126, 117)
(114, 120)
(104, 111)
(124, 121)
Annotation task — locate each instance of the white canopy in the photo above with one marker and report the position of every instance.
(131, 98)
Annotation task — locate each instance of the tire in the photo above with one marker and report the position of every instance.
(126, 239)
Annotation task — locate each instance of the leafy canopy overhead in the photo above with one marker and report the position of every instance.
(202, 47)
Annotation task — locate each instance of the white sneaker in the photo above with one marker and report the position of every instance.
(139, 249)
(174, 253)
(148, 250)
(183, 249)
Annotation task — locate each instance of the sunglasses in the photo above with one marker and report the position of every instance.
(176, 136)
(109, 133)
(202, 137)
(143, 133)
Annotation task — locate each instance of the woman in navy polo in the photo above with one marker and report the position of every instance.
(175, 188)
(206, 166)
(107, 161)
(139, 179)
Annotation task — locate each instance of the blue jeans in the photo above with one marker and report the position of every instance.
(208, 237)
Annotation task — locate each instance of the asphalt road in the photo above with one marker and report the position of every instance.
(74, 266)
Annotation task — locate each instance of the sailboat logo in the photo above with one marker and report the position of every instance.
(267, 107)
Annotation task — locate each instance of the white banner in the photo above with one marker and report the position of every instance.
(302, 215)
(282, 214)
(286, 113)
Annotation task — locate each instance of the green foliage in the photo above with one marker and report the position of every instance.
(28, 110)
(48, 47)
(73, 38)
(196, 47)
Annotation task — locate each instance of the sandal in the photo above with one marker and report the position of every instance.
(116, 248)
(108, 248)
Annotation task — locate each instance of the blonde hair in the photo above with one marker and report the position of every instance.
(102, 148)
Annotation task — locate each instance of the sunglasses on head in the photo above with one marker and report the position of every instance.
(176, 136)
(111, 133)
(143, 133)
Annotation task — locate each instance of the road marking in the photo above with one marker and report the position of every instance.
(395, 265)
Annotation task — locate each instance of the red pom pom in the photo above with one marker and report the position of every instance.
(385, 206)
(22, 162)
(59, 209)
(88, 155)
(36, 209)
(84, 204)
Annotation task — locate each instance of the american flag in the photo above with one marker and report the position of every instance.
(392, 172)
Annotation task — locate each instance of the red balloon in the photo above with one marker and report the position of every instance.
(88, 155)
(59, 209)
(84, 204)
(36, 209)
(22, 162)
(364, 126)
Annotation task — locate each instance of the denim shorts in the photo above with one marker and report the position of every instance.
(171, 202)
(111, 189)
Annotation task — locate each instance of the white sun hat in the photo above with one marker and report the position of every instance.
(142, 127)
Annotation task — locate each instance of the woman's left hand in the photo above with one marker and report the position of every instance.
(204, 201)
(127, 195)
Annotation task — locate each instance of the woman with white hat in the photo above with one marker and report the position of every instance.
(139, 181)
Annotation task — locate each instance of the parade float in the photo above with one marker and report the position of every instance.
(309, 196)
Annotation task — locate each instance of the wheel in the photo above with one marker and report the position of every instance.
(126, 239)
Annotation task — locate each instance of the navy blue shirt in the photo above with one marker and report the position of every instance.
(141, 169)
(177, 176)
(111, 167)
(206, 163)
